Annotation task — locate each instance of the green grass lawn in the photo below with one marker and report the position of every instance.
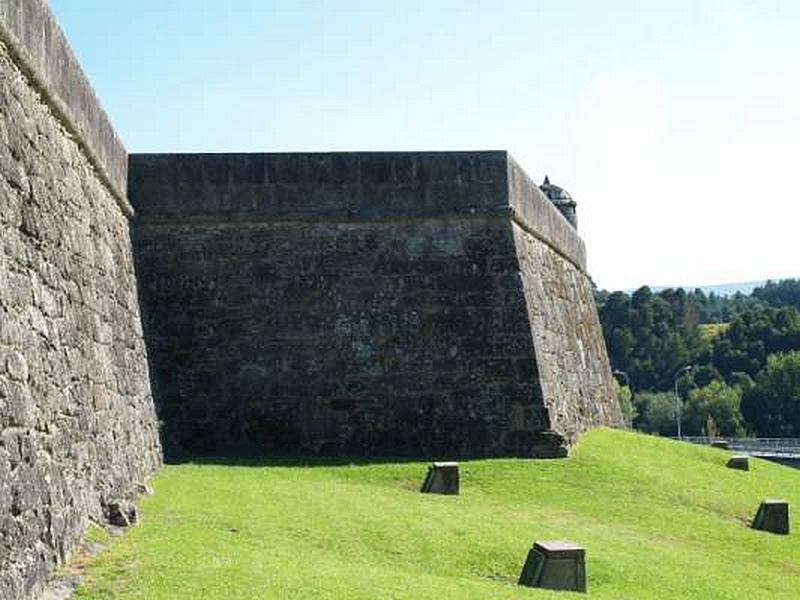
(658, 518)
(711, 331)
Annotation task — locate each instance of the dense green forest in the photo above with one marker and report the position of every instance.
(734, 360)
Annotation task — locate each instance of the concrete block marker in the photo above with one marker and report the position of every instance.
(555, 565)
(442, 478)
(721, 444)
(772, 516)
(740, 462)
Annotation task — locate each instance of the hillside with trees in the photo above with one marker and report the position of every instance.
(779, 293)
(735, 360)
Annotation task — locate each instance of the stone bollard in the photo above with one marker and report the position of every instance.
(555, 565)
(739, 461)
(772, 516)
(721, 444)
(442, 478)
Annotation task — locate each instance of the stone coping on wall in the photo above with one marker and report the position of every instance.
(41, 50)
(535, 213)
(328, 184)
(347, 186)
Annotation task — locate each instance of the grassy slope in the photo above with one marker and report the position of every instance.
(659, 519)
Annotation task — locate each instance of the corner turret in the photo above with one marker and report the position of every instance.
(562, 200)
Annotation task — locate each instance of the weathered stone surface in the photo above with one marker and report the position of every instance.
(62, 588)
(575, 386)
(364, 303)
(40, 49)
(142, 489)
(442, 478)
(555, 565)
(77, 424)
(772, 516)
(538, 216)
(740, 462)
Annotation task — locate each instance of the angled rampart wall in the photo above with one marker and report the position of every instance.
(77, 425)
(364, 303)
(575, 377)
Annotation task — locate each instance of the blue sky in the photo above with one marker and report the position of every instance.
(674, 125)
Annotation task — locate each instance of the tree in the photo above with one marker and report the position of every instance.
(714, 409)
(650, 335)
(752, 336)
(656, 412)
(780, 293)
(704, 373)
(772, 406)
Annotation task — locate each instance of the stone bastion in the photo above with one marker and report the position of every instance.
(371, 304)
(376, 304)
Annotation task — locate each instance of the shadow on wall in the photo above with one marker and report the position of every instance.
(364, 304)
(321, 311)
(293, 462)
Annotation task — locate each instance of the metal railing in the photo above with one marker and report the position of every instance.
(772, 446)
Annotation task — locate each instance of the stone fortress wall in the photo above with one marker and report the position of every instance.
(364, 303)
(77, 426)
(427, 304)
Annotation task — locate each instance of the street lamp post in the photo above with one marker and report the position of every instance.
(680, 372)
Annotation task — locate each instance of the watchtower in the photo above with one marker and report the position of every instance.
(562, 201)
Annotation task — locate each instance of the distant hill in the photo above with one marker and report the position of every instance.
(722, 289)
(729, 289)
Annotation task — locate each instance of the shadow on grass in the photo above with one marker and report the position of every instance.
(250, 456)
(295, 461)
